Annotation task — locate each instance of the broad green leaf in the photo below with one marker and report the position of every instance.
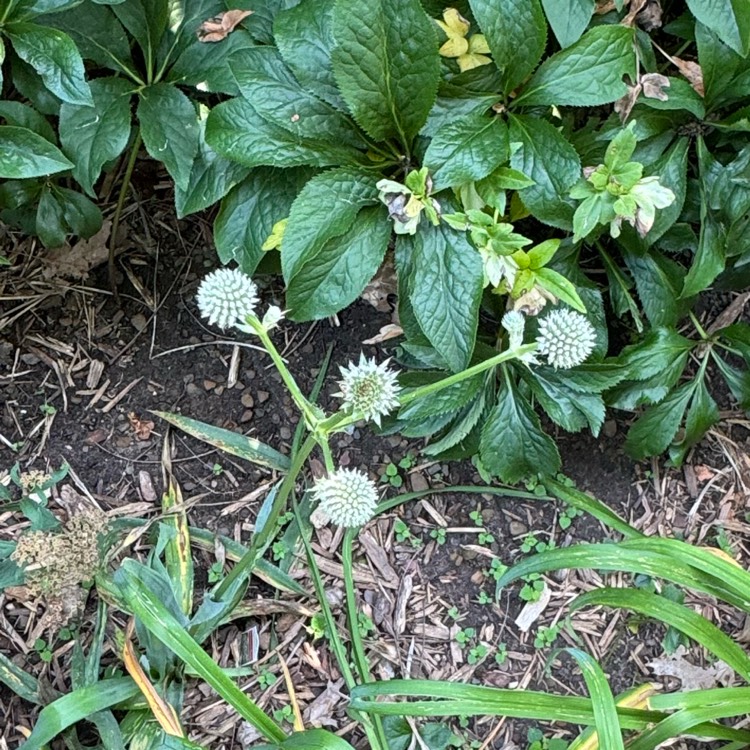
(13, 677)
(267, 83)
(326, 208)
(587, 74)
(169, 126)
(568, 18)
(609, 733)
(467, 149)
(211, 178)
(250, 211)
(680, 95)
(558, 285)
(54, 56)
(464, 427)
(710, 258)
(386, 65)
(400, 735)
(235, 130)
(729, 19)
(78, 705)
(672, 172)
(449, 399)
(548, 159)
(81, 215)
(304, 37)
(653, 431)
(514, 446)
(23, 116)
(516, 33)
(658, 349)
(97, 33)
(738, 381)
(675, 615)
(206, 66)
(148, 608)
(446, 289)
(658, 280)
(702, 414)
(50, 220)
(147, 21)
(238, 445)
(30, 84)
(92, 136)
(331, 276)
(720, 65)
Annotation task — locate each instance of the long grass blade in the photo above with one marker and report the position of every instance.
(162, 624)
(20, 682)
(682, 618)
(602, 701)
(230, 442)
(78, 705)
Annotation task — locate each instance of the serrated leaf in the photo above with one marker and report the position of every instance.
(334, 274)
(504, 24)
(462, 427)
(147, 21)
(658, 280)
(92, 136)
(235, 130)
(250, 211)
(568, 18)
(465, 150)
(24, 154)
(702, 414)
(672, 172)
(169, 126)
(275, 94)
(587, 74)
(54, 56)
(513, 445)
(552, 163)
(326, 208)
(710, 258)
(446, 288)
(386, 65)
(655, 429)
(738, 381)
(729, 19)
(304, 37)
(447, 400)
(658, 349)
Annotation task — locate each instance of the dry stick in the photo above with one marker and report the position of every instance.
(135, 148)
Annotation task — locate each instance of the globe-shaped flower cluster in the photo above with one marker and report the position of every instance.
(227, 296)
(368, 388)
(347, 496)
(566, 338)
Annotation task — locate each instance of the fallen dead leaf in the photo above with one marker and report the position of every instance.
(389, 331)
(77, 261)
(218, 27)
(692, 677)
(692, 72)
(320, 712)
(142, 427)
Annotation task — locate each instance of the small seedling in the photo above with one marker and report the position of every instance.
(47, 409)
(485, 538)
(365, 625)
(403, 534)
(439, 535)
(532, 588)
(483, 598)
(215, 572)
(476, 516)
(317, 626)
(392, 477)
(217, 470)
(454, 614)
(567, 516)
(266, 678)
(279, 550)
(284, 714)
(501, 655)
(531, 544)
(43, 649)
(477, 653)
(464, 636)
(496, 570)
(537, 741)
(546, 636)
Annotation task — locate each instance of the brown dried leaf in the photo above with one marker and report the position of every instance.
(625, 105)
(653, 86)
(692, 71)
(691, 676)
(320, 712)
(76, 262)
(388, 331)
(220, 26)
(142, 428)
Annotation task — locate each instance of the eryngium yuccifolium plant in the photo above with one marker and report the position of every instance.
(566, 338)
(347, 496)
(227, 296)
(369, 389)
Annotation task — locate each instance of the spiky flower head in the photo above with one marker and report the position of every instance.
(274, 315)
(368, 388)
(566, 338)
(227, 296)
(347, 496)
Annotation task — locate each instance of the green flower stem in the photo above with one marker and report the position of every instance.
(498, 359)
(247, 562)
(294, 390)
(698, 326)
(327, 455)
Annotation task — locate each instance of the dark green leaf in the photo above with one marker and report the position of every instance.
(658, 280)
(147, 21)
(729, 19)
(587, 74)
(701, 416)
(50, 221)
(326, 208)
(680, 95)
(81, 215)
(655, 429)
(467, 149)
(672, 172)
(53, 55)
(737, 380)
(568, 18)
(504, 24)
(709, 260)
(386, 65)
(304, 37)
(449, 399)
(514, 446)
(92, 136)
(30, 84)
(446, 289)
(251, 209)
(654, 353)
(235, 130)
(169, 126)
(552, 163)
(267, 83)
(24, 116)
(332, 275)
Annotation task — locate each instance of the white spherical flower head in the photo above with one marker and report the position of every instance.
(227, 296)
(348, 497)
(566, 338)
(369, 389)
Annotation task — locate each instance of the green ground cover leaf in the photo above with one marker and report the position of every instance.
(24, 154)
(729, 19)
(568, 18)
(386, 72)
